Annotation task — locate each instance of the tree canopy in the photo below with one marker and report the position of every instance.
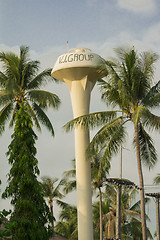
(20, 81)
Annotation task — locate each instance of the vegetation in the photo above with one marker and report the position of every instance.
(130, 212)
(31, 215)
(20, 81)
(99, 172)
(129, 88)
(4, 224)
(157, 179)
(67, 227)
(52, 193)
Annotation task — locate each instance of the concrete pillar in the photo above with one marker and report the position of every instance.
(80, 96)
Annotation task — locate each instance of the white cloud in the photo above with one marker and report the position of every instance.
(138, 6)
(152, 36)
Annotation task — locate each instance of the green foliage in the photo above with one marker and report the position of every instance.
(67, 226)
(129, 88)
(4, 224)
(51, 190)
(31, 214)
(130, 211)
(20, 81)
(157, 179)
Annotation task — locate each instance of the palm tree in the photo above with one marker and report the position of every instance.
(20, 81)
(52, 193)
(106, 203)
(99, 172)
(128, 87)
(67, 226)
(130, 212)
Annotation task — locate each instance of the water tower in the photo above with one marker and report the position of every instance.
(78, 69)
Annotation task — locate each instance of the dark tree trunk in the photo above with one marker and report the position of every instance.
(141, 184)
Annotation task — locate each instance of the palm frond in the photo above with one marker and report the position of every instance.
(69, 173)
(13, 115)
(69, 186)
(147, 61)
(134, 214)
(11, 70)
(43, 118)
(5, 97)
(41, 78)
(4, 115)
(147, 118)
(28, 72)
(152, 98)
(108, 139)
(24, 53)
(157, 179)
(3, 79)
(62, 204)
(91, 120)
(110, 94)
(44, 98)
(33, 115)
(148, 152)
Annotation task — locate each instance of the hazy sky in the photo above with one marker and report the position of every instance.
(101, 25)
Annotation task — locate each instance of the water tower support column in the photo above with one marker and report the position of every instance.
(80, 96)
(78, 69)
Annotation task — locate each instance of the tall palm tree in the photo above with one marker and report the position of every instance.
(99, 172)
(52, 192)
(21, 81)
(129, 86)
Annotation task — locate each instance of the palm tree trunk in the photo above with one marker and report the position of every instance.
(118, 214)
(141, 184)
(157, 219)
(51, 210)
(100, 213)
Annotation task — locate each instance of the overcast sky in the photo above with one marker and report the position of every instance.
(101, 25)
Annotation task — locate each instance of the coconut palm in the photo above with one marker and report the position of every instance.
(106, 203)
(52, 192)
(67, 226)
(99, 172)
(21, 81)
(130, 212)
(129, 87)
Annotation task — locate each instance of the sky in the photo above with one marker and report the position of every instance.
(101, 25)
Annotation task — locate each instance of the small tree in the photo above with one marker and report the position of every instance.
(31, 214)
(52, 192)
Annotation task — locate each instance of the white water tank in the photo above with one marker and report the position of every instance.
(76, 64)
